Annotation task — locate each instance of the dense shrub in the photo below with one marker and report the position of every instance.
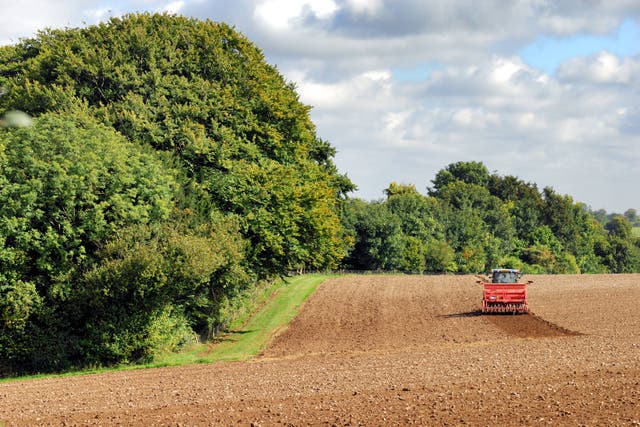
(69, 185)
(168, 168)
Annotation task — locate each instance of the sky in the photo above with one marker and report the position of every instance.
(548, 91)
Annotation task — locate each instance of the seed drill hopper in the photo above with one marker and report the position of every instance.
(504, 293)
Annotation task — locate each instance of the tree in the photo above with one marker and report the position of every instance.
(465, 228)
(396, 189)
(468, 172)
(202, 92)
(379, 242)
(620, 253)
(418, 214)
(413, 259)
(69, 185)
(600, 215)
(619, 227)
(526, 206)
(632, 216)
(473, 221)
(153, 272)
(564, 218)
(440, 257)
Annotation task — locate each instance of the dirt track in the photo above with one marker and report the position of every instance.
(385, 350)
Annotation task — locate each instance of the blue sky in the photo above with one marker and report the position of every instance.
(546, 91)
(416, 73)
(547, 52)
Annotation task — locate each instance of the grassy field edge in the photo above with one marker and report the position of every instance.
(246, 339)
(249, 340)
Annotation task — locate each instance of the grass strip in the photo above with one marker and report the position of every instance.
(248, 341)
(243, 341)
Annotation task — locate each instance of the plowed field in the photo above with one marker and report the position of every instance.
(390, 350)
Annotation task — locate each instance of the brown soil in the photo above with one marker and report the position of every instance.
(528, 325)
(390, 350)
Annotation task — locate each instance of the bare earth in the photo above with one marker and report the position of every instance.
(390, 350)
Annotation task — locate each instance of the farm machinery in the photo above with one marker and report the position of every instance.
(504, 293)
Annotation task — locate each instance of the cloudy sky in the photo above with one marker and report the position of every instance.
(545, 90)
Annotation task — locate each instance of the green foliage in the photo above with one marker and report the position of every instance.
(378, 240)
(203, 92)
(166, 169)
(619, 227)
(169, 332)
(156, 273)
(413, 258)
(475, 173)
(396, 189)
(440, 258)
(511, 261)
(92, 260)
(473, 221)
(418, 214)
(62, 199)
(18, 300)
(632, 216)
(604, 218)
(69, 185)
(566, 264)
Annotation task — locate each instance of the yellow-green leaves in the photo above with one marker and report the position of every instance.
(15, 119)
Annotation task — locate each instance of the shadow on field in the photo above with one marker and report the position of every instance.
(529, 326)
(473, 313)
(520, 325)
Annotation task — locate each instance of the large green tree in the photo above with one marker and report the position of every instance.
(203, 92)
(69, 184)
(379, 241)
(168, 167)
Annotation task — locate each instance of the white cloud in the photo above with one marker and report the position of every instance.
(396, 121)
(369, 7)
(360, 91)
(98, 15)
(504, 69)
(280, 14)
(23, 19)
(173, 7)
(577, 130)
(601, 68)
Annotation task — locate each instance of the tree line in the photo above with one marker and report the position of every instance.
(472, 220)
(167, 170)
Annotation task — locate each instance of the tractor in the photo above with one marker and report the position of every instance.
(504, 293)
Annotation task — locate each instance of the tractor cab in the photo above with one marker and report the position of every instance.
(505, 275)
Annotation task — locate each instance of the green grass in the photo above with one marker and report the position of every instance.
(249, 334)
(635, 231)
(254, 336)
